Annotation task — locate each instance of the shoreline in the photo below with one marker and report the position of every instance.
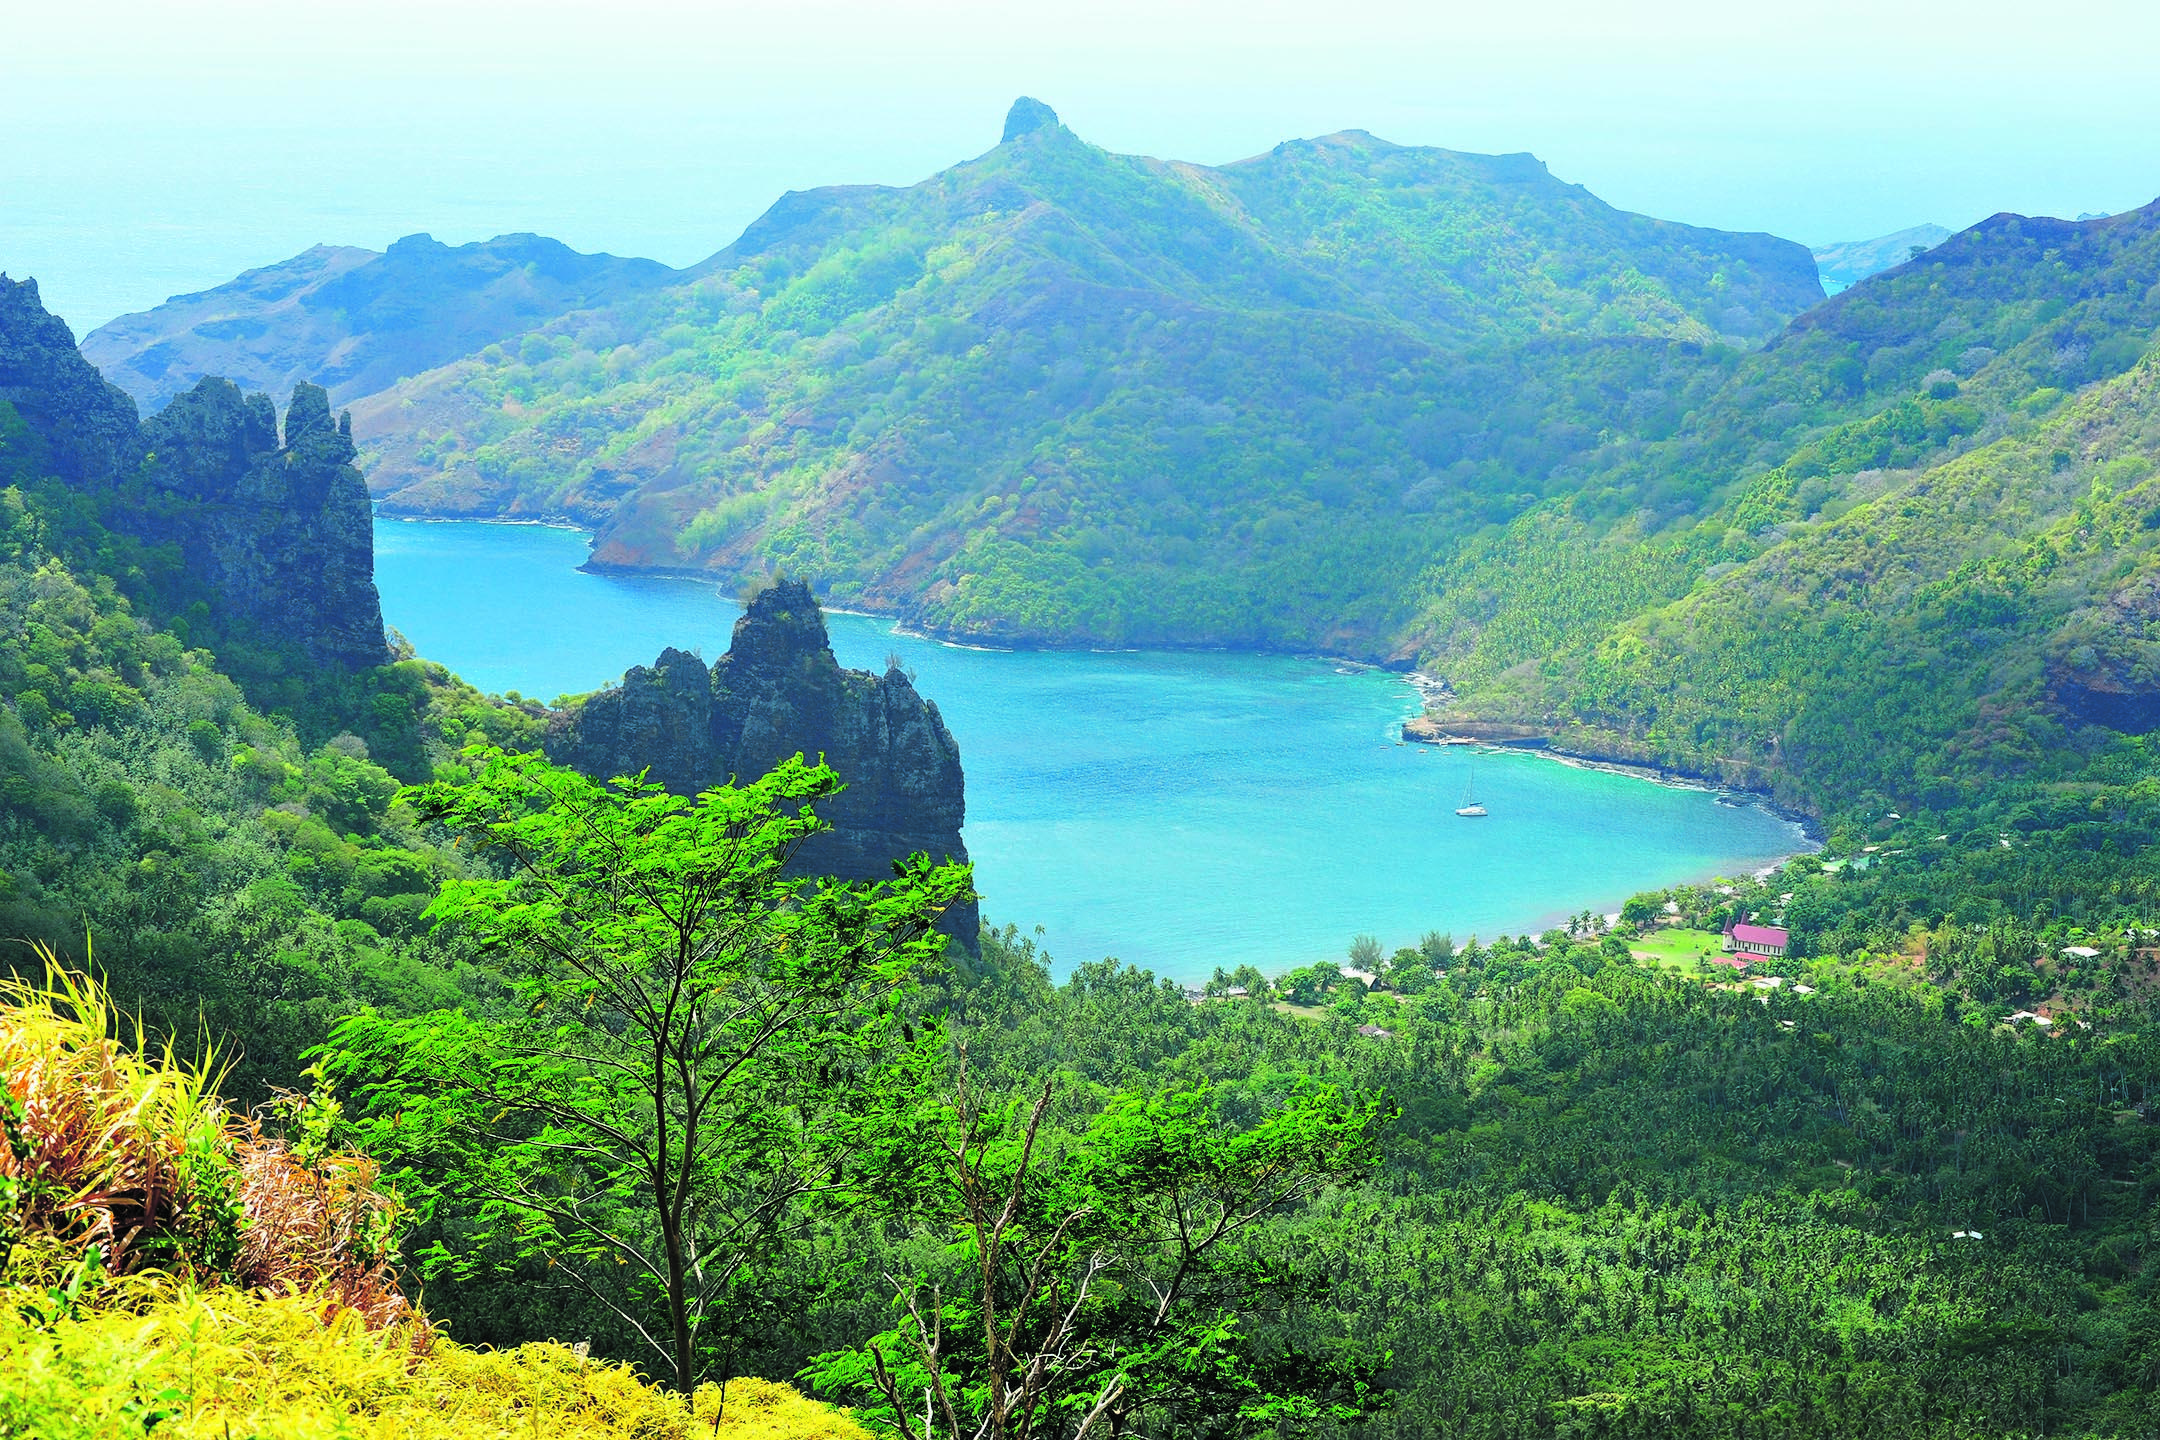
(1434, 737)
(1804, 827)
(902, 624)
(1406, 725)
(544, 522)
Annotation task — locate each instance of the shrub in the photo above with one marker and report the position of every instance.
(138, 1158)
(204, 1364)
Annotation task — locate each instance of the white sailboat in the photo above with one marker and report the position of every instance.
(1470, 809)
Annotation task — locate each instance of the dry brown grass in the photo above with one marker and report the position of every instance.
(327, 1229)
(102, 1168)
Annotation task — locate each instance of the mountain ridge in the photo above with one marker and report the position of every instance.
(1058, 395)
(1846, 263)
(357, 320)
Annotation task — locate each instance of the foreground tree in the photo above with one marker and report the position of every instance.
(1099, 1282)
(691, 1045)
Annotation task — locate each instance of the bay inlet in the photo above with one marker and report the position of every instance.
(1177, 810)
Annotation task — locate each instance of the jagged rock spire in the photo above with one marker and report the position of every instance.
(779, 692)
(1027, 116)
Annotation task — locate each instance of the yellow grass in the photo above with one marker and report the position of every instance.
(248, 1288)
(134, 1153)
(221, 1362)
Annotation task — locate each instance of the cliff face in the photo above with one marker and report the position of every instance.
(2106, 665)
(274, 533)
(776, 693)
(280, 531)
(84, 425)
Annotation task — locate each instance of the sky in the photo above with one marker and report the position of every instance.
(150, 148)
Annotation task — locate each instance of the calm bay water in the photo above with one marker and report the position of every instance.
(1179, 811)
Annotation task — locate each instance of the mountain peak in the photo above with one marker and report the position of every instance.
(1027, 116)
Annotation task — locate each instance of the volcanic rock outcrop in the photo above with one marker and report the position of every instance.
(274, 534)
(83, 425)
(280, 531)
(2106, 669)
(779, 692)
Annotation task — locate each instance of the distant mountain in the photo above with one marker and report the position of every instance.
(1063, 395)
(356, 321)
(1848, 262)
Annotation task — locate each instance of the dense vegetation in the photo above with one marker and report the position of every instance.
(233, 844)
(1930, 594)
(1064, 394)
(1608, 1199)
(641, 1090)
(169, 1266)
(1404, 404)
(1628, 1204)
(1372, 401)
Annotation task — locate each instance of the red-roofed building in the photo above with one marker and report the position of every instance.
(1768, 941)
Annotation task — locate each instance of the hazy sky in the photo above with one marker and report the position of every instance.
(153, 148)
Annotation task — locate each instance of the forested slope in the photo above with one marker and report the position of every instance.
(1601, 1197)
(196, 794)
(1898, 558)
(1055, 393)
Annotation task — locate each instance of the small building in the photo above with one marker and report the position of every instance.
(1374, 1032)
(1765, 941)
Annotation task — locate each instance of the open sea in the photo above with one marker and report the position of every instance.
(1177, 810)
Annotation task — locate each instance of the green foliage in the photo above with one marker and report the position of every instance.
(1676, 1207)
(64, 1301)
(207, 1365)
(690, 1045)
(1865, 598)
(1915, 653)
(1060, 394)
(242, 870)
(1097, 1280)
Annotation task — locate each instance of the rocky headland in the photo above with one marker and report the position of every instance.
(270, 528)
(779, 692)
(277, 526)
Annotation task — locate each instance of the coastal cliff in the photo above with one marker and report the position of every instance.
(271, 531)
(776, 693)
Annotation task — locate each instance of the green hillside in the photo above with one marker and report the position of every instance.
(1517, 1188)
(1064, 395)
(1899, 554)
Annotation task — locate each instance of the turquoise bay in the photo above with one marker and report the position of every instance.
(1177, 810)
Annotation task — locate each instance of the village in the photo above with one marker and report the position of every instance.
(1734, 936)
